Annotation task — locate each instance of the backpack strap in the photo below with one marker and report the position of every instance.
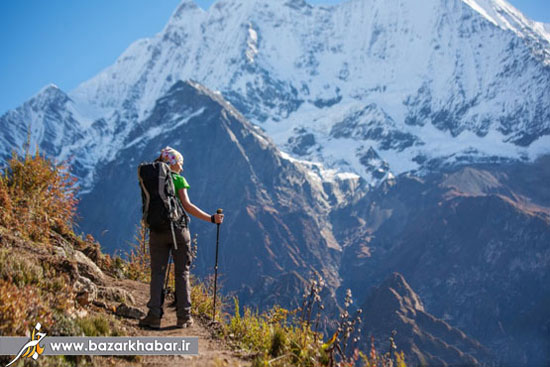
(182, 219)
(165, 172)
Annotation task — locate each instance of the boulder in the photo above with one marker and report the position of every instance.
(116, 295)
(59, 251)
(88, 269)
(129, 312)
(86, 291)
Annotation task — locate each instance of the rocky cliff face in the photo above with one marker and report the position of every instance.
(394, 306)
(473, 242)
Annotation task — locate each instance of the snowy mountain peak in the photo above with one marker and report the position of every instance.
(504, 15)
(368, 87)
(49, 94)
(50, 86)
(185, 7)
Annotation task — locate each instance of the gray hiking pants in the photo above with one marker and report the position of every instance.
(160, 245)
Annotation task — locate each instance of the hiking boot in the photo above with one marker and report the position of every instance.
(184, 322)
(150, 321)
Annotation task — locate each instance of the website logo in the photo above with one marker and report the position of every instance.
(94, 346)
(32, 348)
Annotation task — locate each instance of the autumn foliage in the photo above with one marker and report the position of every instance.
(37, 196)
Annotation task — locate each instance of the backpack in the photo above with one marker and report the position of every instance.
(160, 205)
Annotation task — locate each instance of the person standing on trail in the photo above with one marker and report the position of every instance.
(160, 245)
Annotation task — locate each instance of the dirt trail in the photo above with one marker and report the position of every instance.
(212, 352)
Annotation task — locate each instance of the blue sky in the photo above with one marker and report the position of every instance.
(66, 42)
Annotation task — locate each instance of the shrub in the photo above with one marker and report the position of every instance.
(275, 336)
(18, 313)
(21, 271)
(280, 337)
(138, 266)
(201, 299)
(37, 196)
(100, 325)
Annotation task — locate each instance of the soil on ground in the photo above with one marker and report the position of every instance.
(213, 352)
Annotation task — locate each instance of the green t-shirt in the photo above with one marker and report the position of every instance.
(179, 183)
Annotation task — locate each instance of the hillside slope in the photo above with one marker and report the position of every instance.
(472, 242)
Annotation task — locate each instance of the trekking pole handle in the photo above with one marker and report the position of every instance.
(218, 212)
(213, 216)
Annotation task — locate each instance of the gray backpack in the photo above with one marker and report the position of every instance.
(160, 206)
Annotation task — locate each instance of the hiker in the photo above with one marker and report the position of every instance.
(160, 245)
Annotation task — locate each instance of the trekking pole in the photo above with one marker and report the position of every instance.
(165, 290)
(219, 211)
(169, 264)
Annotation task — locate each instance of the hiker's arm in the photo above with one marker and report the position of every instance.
(195, 210)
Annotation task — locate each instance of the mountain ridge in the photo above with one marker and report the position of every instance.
(265, 188)
(474, 252)
(419, 138)
(485, 101)
(394, 305)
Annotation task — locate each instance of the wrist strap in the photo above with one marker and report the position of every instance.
(213, 218)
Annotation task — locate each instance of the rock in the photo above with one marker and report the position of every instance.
(83, 298)
(68, 267)
(59, 251)
(86, 291)
(129, 312)
(62, 243)
(81, 313)
(88, 268)
(394, 305)
(100, 304)
(116, 295)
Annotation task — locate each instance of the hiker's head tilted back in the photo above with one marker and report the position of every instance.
(173, 158)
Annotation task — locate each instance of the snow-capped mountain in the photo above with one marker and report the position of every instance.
(415, 84)
(350, 94)
(449, 78)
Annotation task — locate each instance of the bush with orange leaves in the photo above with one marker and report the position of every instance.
(36, 200)
(19, 314)
(37, 208)
(37, 196)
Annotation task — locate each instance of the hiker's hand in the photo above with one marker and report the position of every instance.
(218, 218)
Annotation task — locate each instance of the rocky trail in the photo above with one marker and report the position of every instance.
(97, 292)
(212, 352)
